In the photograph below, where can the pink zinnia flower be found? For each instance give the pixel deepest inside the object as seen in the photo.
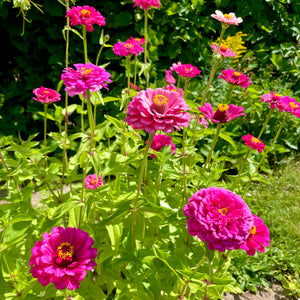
(258, 239)
(275, 100)
(223, 114)
(219, 217)
(145, 4)
(169, 78)
(158, 109)
(85, 15)
(173, 88)
(84, 77)
(224, 51)
(127, 48)
(63, 257)
(92, 181)
(186, 70)
(291, 105)
(160, 141)
(236, 78)
(202, 121)
(253, 142)
(134, 86)
(229, 19)
(140, 41)
(45, 95)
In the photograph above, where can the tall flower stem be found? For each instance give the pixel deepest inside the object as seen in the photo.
(145, 45)
(135, 70)
(266, 122)
(45, 123)
(128, 75)
(91, 118)
(229, 91)
(210, 255)
(209, 156)
(140, 180)
(267, 151)
(84, 44)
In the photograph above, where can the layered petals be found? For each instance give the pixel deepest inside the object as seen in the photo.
(146, 4)
(93, 181)
(185, 70)
(253, 142)
(229, 19)
(160, 141)
(236, 78)
(45, 95)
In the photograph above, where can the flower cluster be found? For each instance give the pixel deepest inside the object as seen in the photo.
(229, 19)
(223, 51)
(236, 78)
(93, 181)
(63, 257)
(253, 142)
(160, 141)
(185, 70)
(85, 15)
(131, 46)
(45, 95)
(158, 109)
(85, 77)
(145, 4)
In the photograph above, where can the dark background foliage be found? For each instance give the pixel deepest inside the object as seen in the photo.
(178, 31)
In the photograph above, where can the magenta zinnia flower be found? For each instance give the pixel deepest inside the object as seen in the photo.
(85, 77)
(92, 181)
(236, 78)
(253, 142)
(158, 109)
(173, 88)
(223, 114)
(186, 70)
(291, 105)
(224, 51)
(85, 15)
(45, 95)
(140, 41)
(134, 86)
(219, 217)
(127, 48)
(160, 141)
(169, 78)
(229, 19)
(63, 257)
(258, 239)
(275, 100)
(145, 4)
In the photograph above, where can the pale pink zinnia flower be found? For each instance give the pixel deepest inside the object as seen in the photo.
(173, 88)
(253, 142)
(145, 4)
(93, 181)
(127, 48)
(85, 77)
(223, 114)
(160, 141)
(223, 51)
(236, 78)
(63, 257)
(158, 109)
(258, 239)
(229, 19)
(169, 78)
(45, 95)
(185, 70)
(291, 105)
(275, 100)
(219, 217)
(85, 15)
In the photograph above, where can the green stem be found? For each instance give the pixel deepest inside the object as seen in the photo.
(145, 46)
(45, 124)
(210, 272)
(231, 86)
(98, 55)
(84, 44)
(146, 150)
(128, 74)
(135, 70)
(90, 117)
(266, 122)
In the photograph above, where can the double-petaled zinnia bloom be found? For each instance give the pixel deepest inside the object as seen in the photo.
(160, 141)
(173, 88)
(275, 100)
(169, 78)
(85, 77)
(85, 15)
(259, 237)
(185, 70)
(93, 181)
(229, 19)
(145, 4)
(158, 109)
(223, 51)
(291, 105)
(235, 78)
(129, 47)
(45, 95)
(63, 257)
(223, 114)
(219, 217)
(253, 142)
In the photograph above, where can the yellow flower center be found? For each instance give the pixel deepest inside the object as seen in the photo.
(223, 211)
(223, 107)
(160, 100)
(277, 95)
(128, 46)
(65, 250)
(85, 71)
(236, 74)
(85, 13)
(93, 181)
(46, 92)
(253, 230)
(293, 105)
(223, 48)
(227, 16)
(256, 140)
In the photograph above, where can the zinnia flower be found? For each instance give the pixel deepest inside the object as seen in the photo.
(84, 77)
(202, 121)
(160, 141)
(173, 88)
(169, 78)
(127, 48)
(258, 239)
(134, 86)
(291, 105)
(253, 142)
(45, 95)
(223, 51)
(223, 114)
(275, 100)
(158, 109)
(219, 217)
(92, 181)
(229, 19)
(236, 78)
(85, 15)
(140, 41)
(63, 257)
(145, 4)
(186, 70)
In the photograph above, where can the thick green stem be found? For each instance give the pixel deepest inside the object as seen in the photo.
(84, 44)
(145, 45)
(265, 124)
(128, 74)
(45, 124)
(91, 118)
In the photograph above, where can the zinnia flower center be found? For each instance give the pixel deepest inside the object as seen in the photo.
(223, 48)
(253, 230)
(84, 71)
(223, 107)
(93, 181)
(46, 92)
(85, 13)
(256, 140)
(236, 74)
(63, 255)
(293, 105)
(160, 104)
(223, 211)
(227, 16)
(128, 46)
(277, 95)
